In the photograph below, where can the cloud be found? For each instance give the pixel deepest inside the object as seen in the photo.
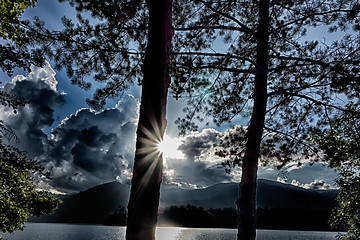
(282, 180)
(306, 172)
(199, 167)
(39, 88)
(317, 185)
(196, 144)
(85, 149)
(45, 74)
(90, 148)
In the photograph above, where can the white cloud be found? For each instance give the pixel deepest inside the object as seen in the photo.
(45, 74)
(282, 180)
(317, 184)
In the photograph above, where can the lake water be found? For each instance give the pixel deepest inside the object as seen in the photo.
(50, 231)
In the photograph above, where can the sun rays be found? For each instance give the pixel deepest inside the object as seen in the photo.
(156, 144)
(152, 150)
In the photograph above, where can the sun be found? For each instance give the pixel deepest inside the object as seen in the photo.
(162, 147)
(169, 148)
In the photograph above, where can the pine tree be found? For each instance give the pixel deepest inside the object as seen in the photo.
(148, 163)
(270, 72)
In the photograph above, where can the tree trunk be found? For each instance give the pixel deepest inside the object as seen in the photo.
(246, 204)
(147, 172)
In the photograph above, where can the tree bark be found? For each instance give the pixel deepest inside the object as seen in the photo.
(246, 204)
(147, 172)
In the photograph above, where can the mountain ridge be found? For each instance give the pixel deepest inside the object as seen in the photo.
(98, 203)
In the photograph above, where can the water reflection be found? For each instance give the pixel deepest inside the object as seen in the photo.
(51, 231)
(170, 233)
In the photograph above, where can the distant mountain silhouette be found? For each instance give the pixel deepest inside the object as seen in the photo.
(279, 195)
(270, 194)
(98, 203)
(90, 206)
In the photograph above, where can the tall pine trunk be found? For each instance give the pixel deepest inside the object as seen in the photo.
(246, 204)
(147, 173)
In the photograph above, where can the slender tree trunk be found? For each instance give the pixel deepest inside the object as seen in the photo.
(246, 204)
(147, 173)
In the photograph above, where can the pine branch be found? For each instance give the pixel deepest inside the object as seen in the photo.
(299, 59)
(295, 139)
(224, 69)
(307, 16)
(317, 102)
(230, 28)
(289, 91)
(225, 55)
(244, 27)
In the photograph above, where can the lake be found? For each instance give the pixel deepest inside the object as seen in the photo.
(53, 231)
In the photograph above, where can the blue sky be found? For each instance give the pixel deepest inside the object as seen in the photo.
(83, 148)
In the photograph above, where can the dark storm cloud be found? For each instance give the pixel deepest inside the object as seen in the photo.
(90, 143)
(86, 149)
(196, 144)
(39, 88)
(90, 148)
